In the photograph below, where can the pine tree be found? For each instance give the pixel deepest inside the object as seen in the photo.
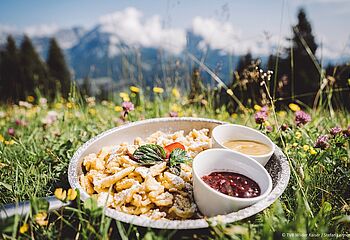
(58, 69)
(305, 74)
(33, 70)
(11, 86)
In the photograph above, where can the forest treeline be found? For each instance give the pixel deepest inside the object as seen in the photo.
(298, 75)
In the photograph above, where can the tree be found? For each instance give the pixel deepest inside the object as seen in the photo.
(305, 74)
(33, 70)
(58, 69)
(11, 86)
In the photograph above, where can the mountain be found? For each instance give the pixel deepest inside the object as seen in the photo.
(97, 53)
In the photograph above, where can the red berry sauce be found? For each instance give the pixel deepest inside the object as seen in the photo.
(232, 184)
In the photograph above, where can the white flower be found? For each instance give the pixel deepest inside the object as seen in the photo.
(50, 118)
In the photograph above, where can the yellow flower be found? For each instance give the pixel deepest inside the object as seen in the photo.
(124, 96)
(294, 107)
(306, 147)
(24, 228)
(70, 105)
(257, 107)
(282, 114)
(158, 90)
(118, 108)
(312, 151)
(298, 135)
(234, 115)
(267, 123)
(30, 99)
(295, 144)
(2, 139)
(229, 92)
(11, 142)
(134, 89)
(58, 105)
(175, 93)
(72, 194)
(175, 108)
(40, 218)
(60, 194)
(92, 111)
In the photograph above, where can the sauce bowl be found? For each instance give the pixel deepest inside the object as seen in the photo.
(212, 202)
(229, 132)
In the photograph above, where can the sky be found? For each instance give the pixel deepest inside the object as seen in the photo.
(246, 20)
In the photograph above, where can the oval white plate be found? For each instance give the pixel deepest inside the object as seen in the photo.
(277, 167)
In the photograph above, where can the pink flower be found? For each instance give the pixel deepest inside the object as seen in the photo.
(128, 106)
(334, 131)
(11, 131)
(269, 128)
(20, 122)
(260, 117)
(173, 114)
(302, 118)
(322, 142)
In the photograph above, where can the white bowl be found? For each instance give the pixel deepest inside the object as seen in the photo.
(227, 132)
(212, 202)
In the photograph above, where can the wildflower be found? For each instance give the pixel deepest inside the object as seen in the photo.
(294, 107)
(50, 118)
(124, 96)
(267, 123)
(234, 115)
(11, 131)
(265, 109)
(92, 111)
(173, 114)
(20, 122)
(128, 106)
(11, 142)
(91, 101)
(43, 101)
(302, 118)
(175, 92)
(257, 107)
(2, 114)
(312, 151)
(2, 139)
(158, 90)
(175, 108)
(306, 147)
(60, 194)
(70, 105)
(282, 114)
(260, 117)
(134, 89)
(25, 104)
(30, 99)
(104, 103)
(346, 132)
(335, 130)
(269, 128)
(72, 194)
(284, 127)
(295, 144)
(298, 135)
(118, 108)
(41, 218)
(322, 142)
(58, 105)
(24, 228)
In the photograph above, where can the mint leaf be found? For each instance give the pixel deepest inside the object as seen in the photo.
(149, 154)
(177, 156)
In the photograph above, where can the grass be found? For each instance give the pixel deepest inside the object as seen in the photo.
(35, 156)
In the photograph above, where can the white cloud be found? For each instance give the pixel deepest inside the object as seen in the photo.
(223, 36)
(215, 34)
(130, 27)
(42, 30)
